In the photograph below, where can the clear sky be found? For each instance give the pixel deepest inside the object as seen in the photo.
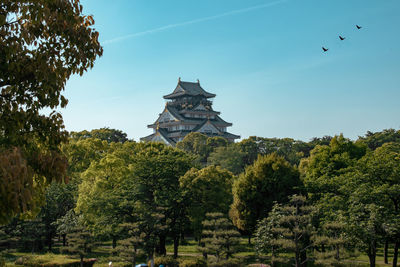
(262, 58)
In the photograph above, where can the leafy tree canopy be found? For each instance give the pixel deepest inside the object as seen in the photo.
(206, 190)
(201, 145)
(323, 169)
(106, 134)
(42, 44)
(228, 157)
(271, 178)
(292, 150)
(377, 139)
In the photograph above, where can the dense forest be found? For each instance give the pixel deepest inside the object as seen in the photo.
(320, 201)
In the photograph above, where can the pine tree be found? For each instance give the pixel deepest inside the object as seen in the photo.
(265, 235)
(331, 242)
(294, 229)
(128, 248)
(80, 242)
(220, 239)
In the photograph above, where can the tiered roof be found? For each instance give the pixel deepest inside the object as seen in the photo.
(188, 89)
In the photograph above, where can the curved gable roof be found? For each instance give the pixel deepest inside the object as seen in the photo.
(190, 89)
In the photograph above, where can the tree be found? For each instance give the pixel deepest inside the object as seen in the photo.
(80, 153)
(331, 241)
(155, 174)
(59, 200)
(324, 174)
(294, 228)
(80, 242)
(195, 143)
(106, 134)
(151, 225)
(377, 139)
(376, 186)
(219, 239)
(128, 247)
(271, 178)
(265, 234)
(215, 142)
(366, 226)
(228, 157)
(206, 190)
(66, 224)
(292, 150)
(100, 195)
(42, 44)
(30, 234)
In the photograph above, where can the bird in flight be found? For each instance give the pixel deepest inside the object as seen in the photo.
(358, 27)
(341, 38)
(325, 49)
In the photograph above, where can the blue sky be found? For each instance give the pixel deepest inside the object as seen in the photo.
(262, 58)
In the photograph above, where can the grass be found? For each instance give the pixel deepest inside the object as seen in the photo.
(104, 255)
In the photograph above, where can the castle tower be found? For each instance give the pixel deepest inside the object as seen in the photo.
(188, 109)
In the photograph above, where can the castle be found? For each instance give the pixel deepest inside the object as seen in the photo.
(188, 109)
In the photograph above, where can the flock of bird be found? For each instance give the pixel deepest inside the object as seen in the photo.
(341, 39)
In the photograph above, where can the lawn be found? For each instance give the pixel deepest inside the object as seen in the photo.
(104, 254)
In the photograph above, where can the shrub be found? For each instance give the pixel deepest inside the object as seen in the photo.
(166, 261)
(197, 262)
(46, 260)
(226, 263)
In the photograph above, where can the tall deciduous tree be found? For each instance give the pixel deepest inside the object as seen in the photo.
(59, 200)
(100, 194)
(106, 134)
(195, 143)
(292, 150)
(271, 178)
(228, 157)
(155, 173)
(376, 184)
(324, 174)
(377, 139)
(206, 190)
(42, 44)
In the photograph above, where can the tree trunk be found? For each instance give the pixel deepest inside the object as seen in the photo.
(134, 256)
(49, 241)
(161, 250)
(303, 258)
(337, 256)
(81, 261)
(64, 238)
(395, 253)
(176, 245)
(249, 239)
(114, 242)
(297, 259)
(372, 254)
(273, 256)
(183, 238)
(151, 260)
(385, 252)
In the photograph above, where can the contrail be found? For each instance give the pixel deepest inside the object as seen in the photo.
(166, 27)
